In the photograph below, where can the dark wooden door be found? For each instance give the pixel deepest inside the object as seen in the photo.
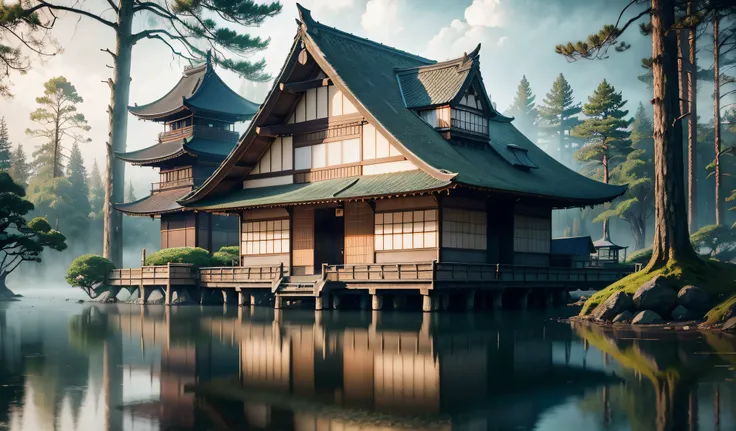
(329, 238)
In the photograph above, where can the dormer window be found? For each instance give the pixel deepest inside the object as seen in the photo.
(522, 157)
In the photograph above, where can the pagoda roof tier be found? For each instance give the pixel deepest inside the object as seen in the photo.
(373, 78)
(335, 190)
(155, 204)
(203, 149)
(201, 91)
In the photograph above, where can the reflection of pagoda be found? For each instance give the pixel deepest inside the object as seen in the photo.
(199, 115)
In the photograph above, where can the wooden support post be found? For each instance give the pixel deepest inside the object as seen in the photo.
(430, 303)
(242, 298)
(318, 304)
(470, 300)
(498, 300)
(335, 302)
(145, 293)
(143, 257)
(202, 296)
(376, 301)
(167, 293)
(278, 302)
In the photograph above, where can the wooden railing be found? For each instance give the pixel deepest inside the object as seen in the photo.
(154, 275)
(468, 272)
(237, 274)
(213, 133)
(165, 185)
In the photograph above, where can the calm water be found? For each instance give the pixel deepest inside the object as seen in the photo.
(68, 366)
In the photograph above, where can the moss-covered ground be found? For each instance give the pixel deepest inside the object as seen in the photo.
(717, 278)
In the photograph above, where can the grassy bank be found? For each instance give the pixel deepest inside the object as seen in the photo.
(717, 278)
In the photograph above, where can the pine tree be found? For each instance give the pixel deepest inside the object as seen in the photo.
(5, 147)
(559, 114)
(58, 120)
(77, 176)
(524, 110)
(605, 131)
(96, 190)
(20, 170)
(130, 195)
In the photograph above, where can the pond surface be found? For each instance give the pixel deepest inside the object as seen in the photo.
(67, 366)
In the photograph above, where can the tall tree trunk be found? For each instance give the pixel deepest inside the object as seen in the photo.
(671, 242)
(55, 169)
(118, 110)
(606, 232)
(5, 293)
(692, 126)
(717, 118)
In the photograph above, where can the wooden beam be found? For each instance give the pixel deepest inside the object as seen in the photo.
(307, 126)
(298, 87)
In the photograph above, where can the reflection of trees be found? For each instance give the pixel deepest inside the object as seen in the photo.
(12, 389)
(670, 366)
(89, 330)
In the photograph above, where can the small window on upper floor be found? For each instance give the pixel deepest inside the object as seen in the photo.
(522, 157)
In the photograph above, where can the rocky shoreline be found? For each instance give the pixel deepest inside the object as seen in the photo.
(659, 304)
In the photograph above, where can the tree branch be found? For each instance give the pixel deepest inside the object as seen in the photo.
(42, 4)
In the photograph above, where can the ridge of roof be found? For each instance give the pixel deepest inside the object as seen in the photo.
(465, 62)
(308, 22)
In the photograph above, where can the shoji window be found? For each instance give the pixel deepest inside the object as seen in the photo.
(328, 154)
(375, 145)
(532, 234)
(406, 230)
(265, 237)
(464, 229)
(276, 158)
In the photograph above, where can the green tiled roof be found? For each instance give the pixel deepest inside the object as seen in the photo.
(202, 148)
(437, 84)
(157, 203)
(199, 89)
(329, 190)
(365, 66)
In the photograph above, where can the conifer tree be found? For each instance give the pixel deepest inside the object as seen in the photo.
(524, 110)
(20, 170)
(77, 176)
(605, 131)
(58, 120)
(5, 148)
(96, 190)
(637, 172)
(559, 114)
(130, 196)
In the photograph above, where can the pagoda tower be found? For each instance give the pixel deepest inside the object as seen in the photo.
(199, 116)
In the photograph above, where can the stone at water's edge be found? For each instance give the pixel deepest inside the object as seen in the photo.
(682, 314)
(657, 294)
(647, 317)
(730, 324)
(106, 298)
(613, 306)
(624, 317)
(693, 298)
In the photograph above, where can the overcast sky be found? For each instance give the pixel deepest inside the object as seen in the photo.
(517, 36)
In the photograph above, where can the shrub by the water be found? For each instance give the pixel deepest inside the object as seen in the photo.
(88, 270)
(226, 256)
(194, 255)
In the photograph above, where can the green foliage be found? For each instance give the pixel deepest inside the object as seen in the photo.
(226, 256)
(96, 190)
(524, 110)
(596, 44)
(605, 129)
(640, 256)
(54, 199)
(20, 170)
(196, 256)
(88, 271)
(79, 194)
(130, 193)
(5, 149)
(558, 114)
(718, 241)
(58, 119)
(22, 241)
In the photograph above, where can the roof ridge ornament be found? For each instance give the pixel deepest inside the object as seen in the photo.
(305, 15)
(468, 58)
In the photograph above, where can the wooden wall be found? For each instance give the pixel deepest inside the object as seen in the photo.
(303, 241)
(178, 230)
(408, 255)
(532, 235)
(358, 233)
(273, 258)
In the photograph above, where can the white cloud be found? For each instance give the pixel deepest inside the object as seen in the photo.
(381, 18)
(502, 40)
(330, 5)
(486, 13)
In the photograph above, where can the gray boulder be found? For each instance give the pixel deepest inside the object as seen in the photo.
(647, 317)
(613, 306)
(730, 324)
(624, 317)
(657, 294)
(693, 298)
(681, 314)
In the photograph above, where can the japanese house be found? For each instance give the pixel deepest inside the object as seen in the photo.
(362, 153)
(199, 115)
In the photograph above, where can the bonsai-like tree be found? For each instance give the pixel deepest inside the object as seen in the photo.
(21, 241)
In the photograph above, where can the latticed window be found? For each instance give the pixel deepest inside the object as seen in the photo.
(464, 229)
(532, 234)
(265, 237)
(406, 230)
